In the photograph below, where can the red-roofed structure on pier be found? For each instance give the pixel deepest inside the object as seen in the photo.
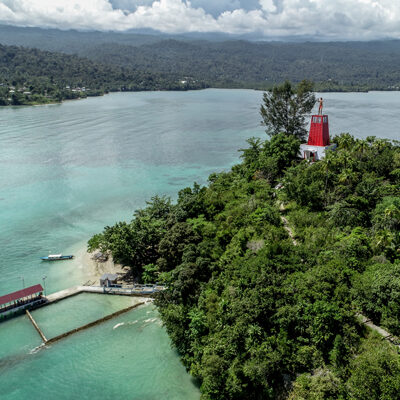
(21, 300)
(318, 139)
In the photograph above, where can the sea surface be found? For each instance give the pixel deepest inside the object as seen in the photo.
(68, 170)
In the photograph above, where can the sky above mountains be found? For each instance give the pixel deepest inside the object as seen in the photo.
(270, 19)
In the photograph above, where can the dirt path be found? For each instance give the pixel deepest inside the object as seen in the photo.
(366, 321)
(286, 224)
(385, 334)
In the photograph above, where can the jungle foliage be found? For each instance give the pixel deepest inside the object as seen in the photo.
(254, 316)
(31, 76)
(285, 108)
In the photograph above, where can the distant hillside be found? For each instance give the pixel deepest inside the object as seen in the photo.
(259, 64)
(71, 41)
(31, 76)
(229, 63)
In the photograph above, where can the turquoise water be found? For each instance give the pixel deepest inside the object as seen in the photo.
(18, 337)
(68, 170)
(125, 358)
(52, 319)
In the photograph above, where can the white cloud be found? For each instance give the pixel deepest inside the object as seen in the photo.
(268, 5)
(329, 19)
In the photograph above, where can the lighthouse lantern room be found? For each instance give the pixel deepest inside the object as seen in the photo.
(318, 139)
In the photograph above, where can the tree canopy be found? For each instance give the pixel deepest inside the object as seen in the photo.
(31, 76)
(333, 66)
(254, 316)
(285, 107)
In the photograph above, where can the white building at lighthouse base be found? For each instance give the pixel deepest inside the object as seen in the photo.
(314, 153)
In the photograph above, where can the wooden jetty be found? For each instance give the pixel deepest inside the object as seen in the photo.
(135, 290)
(16, 303)
(34, 303)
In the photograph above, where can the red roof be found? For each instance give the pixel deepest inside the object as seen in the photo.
(8, 298)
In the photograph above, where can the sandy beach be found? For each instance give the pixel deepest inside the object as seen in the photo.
(91, 270)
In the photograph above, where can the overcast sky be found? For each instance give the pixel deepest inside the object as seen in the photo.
(319, 19)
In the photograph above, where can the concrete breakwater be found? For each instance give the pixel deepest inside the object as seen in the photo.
(91, 324)
(36, 326)
(137, 290)
(81, 328)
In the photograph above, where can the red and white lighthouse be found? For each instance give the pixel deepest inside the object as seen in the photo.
(318, 139)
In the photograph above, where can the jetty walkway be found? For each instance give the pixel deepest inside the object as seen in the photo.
(43, 301)
(135, 290)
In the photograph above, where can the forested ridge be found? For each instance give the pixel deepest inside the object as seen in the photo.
(32, 76)
(231, 63)
(332, 66)
(255, 316)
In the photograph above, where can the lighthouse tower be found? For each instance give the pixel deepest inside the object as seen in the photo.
(318, 139)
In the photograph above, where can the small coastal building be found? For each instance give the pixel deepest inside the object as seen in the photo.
(318, 139)
(109, 280)
(21, 300)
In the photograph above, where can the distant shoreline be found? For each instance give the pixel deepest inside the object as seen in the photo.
(190, 90)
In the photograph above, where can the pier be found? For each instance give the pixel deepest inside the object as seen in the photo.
(37, 300)
(16, 303)
(135, 290)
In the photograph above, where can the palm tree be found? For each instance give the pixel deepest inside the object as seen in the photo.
(360, 148)
(346, 176)
(383, 239)
(392, 216)
(327, 164)
(345, 141)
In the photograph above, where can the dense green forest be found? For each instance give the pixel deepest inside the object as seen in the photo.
(68, 41)
(228, 63)
(332, 66)
(31, 76)
(256, 315)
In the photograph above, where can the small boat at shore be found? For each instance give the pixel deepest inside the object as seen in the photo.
(56, 257)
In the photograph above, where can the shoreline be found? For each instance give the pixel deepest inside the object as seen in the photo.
(37, 104)
(92, 270)
(189, 90)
